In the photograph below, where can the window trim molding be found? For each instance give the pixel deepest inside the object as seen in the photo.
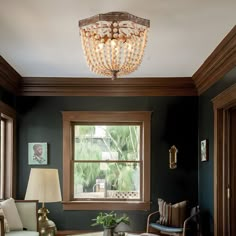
(100, 116)
(10, 160)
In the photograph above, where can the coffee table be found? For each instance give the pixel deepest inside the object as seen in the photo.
(100, 233)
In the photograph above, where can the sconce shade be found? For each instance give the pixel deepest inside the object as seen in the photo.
(43, 185)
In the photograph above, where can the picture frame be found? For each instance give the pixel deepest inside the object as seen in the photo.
(37, 153)
(204, 150)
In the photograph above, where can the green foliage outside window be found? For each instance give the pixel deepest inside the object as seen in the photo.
(121, 140)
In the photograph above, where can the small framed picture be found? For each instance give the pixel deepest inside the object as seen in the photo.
(204, 150)
(37, 154)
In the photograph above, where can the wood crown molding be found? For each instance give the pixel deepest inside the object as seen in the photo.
(225, 98)
(57, 86)
(221, 61)
(7, 110)
(9, 78)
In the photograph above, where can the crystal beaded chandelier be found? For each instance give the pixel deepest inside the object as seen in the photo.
(114, 42)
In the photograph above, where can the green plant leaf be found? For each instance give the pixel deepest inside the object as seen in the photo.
(108, 220)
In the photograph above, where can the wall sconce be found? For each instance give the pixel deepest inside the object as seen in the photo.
(173, 157)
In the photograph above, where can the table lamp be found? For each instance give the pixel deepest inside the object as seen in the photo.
(44, 186)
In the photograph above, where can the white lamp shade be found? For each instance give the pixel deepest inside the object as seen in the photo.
(43, 185)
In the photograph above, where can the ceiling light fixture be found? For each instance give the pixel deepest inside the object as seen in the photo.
(114, 42)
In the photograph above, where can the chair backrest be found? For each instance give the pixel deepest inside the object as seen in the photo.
(194, 210)
(195, 217)
(28, 211)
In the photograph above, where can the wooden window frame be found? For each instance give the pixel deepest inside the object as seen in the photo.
(69, 117)
(9, 115)
(3, 155)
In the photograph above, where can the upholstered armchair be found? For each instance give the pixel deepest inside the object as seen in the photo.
(173, 220)
(23, 222)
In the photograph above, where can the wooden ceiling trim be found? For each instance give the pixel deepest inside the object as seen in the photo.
(221, 61)
(226, 97)
(9, 78)
(54, 86)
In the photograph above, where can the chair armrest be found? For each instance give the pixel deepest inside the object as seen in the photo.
(28, 211)
(149, 218)
(188, 219)
(2, 233)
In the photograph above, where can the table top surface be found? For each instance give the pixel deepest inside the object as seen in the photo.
(88, 234)
(100, 233)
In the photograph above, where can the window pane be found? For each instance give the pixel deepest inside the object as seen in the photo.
(107, 142)
(109, 180)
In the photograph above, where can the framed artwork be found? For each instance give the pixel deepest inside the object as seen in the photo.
(204, 150)
(37, 154)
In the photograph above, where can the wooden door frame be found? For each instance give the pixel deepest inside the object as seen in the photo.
(222, 103)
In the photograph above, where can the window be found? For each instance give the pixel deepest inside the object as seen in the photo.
(106, 160)
(7, 116)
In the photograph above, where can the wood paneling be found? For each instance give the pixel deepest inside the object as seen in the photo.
(221, 61)
(9, 78)
(38, 86)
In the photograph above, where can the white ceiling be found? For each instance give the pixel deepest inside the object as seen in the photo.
(41, 37)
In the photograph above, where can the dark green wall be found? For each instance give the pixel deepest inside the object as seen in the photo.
(174, 122)
(206, 131)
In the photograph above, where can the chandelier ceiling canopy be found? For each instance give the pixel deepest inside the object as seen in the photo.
(114, 42)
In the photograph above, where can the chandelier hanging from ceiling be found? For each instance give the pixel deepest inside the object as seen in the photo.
(114, 42)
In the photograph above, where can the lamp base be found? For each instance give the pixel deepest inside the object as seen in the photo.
(46, 226)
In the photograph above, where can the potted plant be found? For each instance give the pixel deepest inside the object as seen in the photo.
(109, 221)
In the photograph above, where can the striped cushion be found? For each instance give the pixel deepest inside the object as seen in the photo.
(172, 215)
(164, 209)
(178, 214)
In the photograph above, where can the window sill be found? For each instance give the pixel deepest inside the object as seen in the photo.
(98, 205)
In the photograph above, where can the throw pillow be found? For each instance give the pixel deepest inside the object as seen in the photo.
(12, 215)
(165, 212)
(172, 215)
(178, 214)
(6, 226)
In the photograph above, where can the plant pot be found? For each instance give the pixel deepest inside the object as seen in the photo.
(108, 231)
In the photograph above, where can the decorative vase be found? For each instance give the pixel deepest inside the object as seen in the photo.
(108, 231)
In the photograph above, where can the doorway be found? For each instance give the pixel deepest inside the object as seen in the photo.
(225, 162)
